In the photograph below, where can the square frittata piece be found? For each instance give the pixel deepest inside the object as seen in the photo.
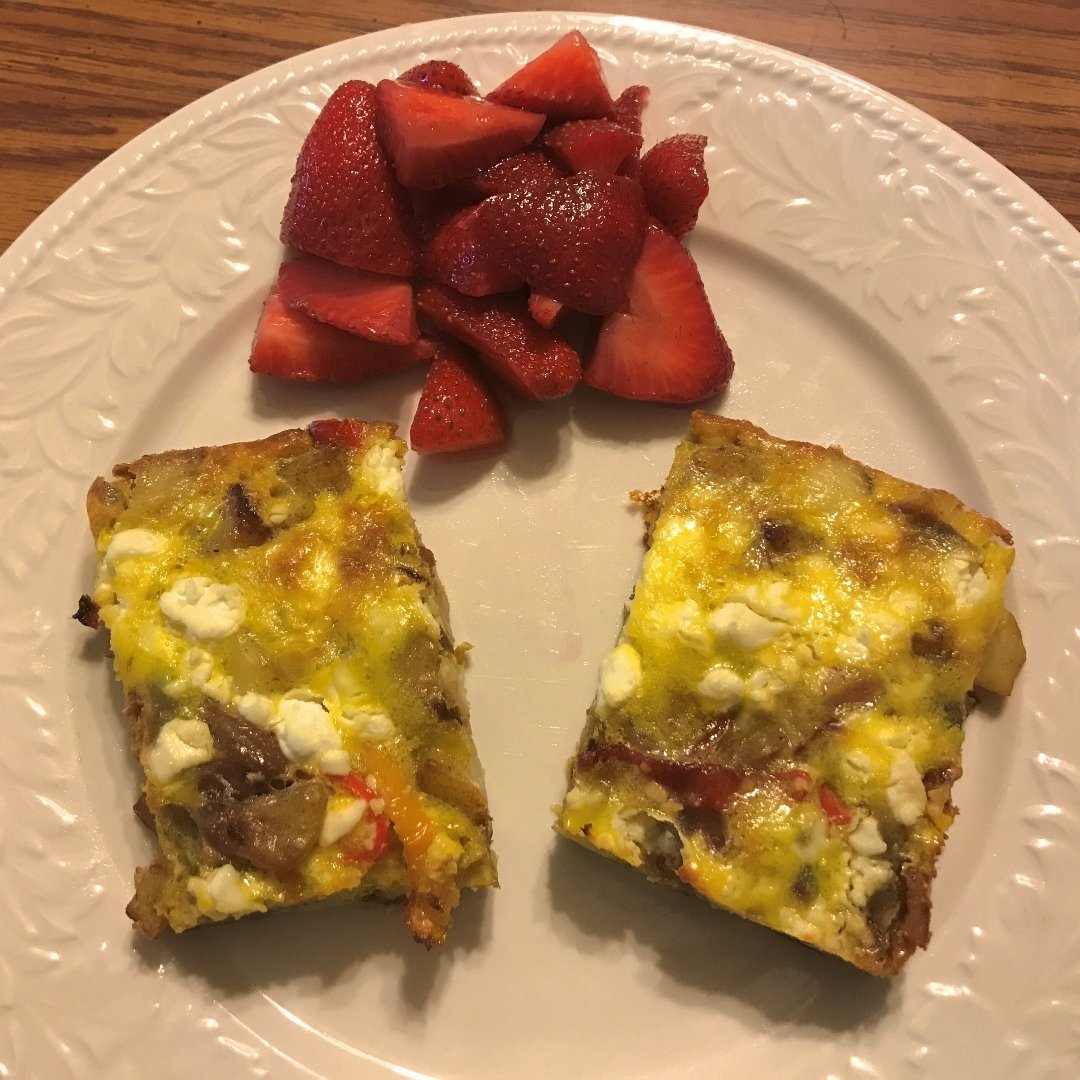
(779, 725)
(295, 696)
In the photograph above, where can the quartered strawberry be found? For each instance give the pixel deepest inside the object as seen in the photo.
(530, 360)
(629, 106)
(544, 310)
(439, 75)
(456, 410)
(575, 239)
(345, 204)
(565, 82)
(668, 347)
(514, 173)
(434, 138)
(673, 177)
(601, 146)
(373, 306)
(460, 255)
(291, 345)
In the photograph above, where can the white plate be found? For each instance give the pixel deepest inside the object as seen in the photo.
(884, 285)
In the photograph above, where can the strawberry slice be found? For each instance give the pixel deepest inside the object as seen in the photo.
(514, 173)
(456, 410)
(601, 146)
(291, 345)
(575, 239)
(345, 204)
(668, 348)
(673, 178)
(544, 310)
(629, 106)
(530, 360)
(439, 75)
(373, 306)
(565, 82)
(346, 432)
(460, 255)
(434, 138)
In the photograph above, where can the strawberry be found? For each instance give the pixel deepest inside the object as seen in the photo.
(456, 410)
(575, 239)
(544, 310)
(565, 82)
(673, 178)
(532, 361)
(345, 204)
(373, 306)
(291, 345)
(459, 254)
(440, 75)
(629, 106)
(514, 173)
(600, 146)
(668, 347)
(434, 138)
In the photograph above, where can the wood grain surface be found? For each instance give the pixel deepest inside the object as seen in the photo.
(79, 79)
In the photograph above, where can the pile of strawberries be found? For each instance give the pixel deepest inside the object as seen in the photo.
(504, 240)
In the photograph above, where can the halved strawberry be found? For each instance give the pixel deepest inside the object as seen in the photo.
(514, 173)
(668, 348)
(575, 239)
(439, 75)
(434, 138)
(629, 106)
(544, 310)
(291, 345)
(373, 306)
(673, 177)
(345, 204)
(600, 146)
(532, 361)
(459, 255)
(456, 410)
(565, 82)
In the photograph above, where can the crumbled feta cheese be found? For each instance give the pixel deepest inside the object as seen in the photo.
(743, 627)
(773, 601)
(620, 674)
(256, 709)
(853, 649)
(905, 794)
(684, 622)
(223, 891)
(791, 922)
(179, 745)
(129, 543)
(867, 877)
(382, 470)
(968, 581)
(277, 511)
(205, 609)
(213, 684)
(722, 687)
(578, 798)
(376, 726)
(341, 819)
(442, 855)
(865, 838)
(762, 686)
(304, 730)
(335, 762)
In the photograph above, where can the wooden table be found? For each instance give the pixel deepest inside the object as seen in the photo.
(79, 78)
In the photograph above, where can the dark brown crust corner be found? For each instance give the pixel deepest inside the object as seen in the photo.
(141, 910)
(911, 927)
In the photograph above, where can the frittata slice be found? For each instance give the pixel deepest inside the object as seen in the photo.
(780, 722)
(295, 697)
